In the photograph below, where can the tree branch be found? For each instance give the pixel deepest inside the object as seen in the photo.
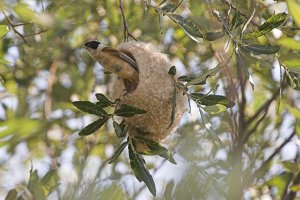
(51, 79)
(243, 14)
(258, 172)
(291, 195)
(125, 25)
(264, 107)
(14, 29)
(13, 26)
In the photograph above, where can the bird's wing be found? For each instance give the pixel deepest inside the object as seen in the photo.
(126, 56)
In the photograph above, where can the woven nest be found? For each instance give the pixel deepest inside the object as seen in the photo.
(154, 94)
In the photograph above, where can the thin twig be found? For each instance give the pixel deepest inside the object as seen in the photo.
(51, 79)
(243, 14)
(264, 107)
(14, 29)
(249, 133)
(292, 195)
(33, 34)
(258, 172)
(125, 25)
(23, 37)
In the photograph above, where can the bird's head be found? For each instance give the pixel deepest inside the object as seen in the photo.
(93, 47)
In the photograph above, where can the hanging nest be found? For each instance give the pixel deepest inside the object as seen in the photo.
(154, 94)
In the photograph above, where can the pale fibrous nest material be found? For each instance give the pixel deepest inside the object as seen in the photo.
(154, 94)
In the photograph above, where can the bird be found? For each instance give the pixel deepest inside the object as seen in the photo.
(120, 62)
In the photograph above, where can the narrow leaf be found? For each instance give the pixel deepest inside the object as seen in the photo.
(289, 43)
(48, 176)
(204, 76)
(140, 171)
(209, 128)
(128, 111)
(291, 166)
(120, 129)
(251, 60)
(93, 127)
(118, 152)
(209, 100)
(292, 80)
(103, 101)
(236, 20)
(172, 71)
(244, 69)
(168, 8)
(214, 109)
(3, 30)
(261, 49)
(214, 35)
(188, 26)
(89, 107)
(294, 9)
(11, 195)
(273, 22)
(155, 148)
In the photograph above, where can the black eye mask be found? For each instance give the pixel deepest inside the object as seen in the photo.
(92, 44)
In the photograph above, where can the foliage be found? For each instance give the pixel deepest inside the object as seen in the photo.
(219, 49)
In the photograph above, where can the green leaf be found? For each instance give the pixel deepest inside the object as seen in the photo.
(174, 99)
(118, 152)
(292, 80)
(188, 78)
(214, 35)
(289, 43)
(244, 69)
(19, 127)
(294, 10)
(261, 49)
(202, 78)
(280, 182)
(210, 100)
(209, 127)
(48, 176)
(236, 20)
(25, 12)
(3, 30)
(291, 60)
(155, 148)
(89, 107)
(4, 62)
(214, 109)
(295, 188)
(120, 129)
(128, 111)
(172, 71)
(273, 22)
(188, 26)
(11, 195)
(251, 60)
(35, 186)
(291, 166)
(103, 101)
(140, 171)
(168, 8)
(94, 126)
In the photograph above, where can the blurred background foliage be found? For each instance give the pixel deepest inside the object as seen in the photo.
(43, 69)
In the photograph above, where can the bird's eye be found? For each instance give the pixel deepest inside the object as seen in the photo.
(92, 44)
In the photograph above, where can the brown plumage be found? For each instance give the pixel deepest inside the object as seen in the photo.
(142, 71)
(154, 94)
